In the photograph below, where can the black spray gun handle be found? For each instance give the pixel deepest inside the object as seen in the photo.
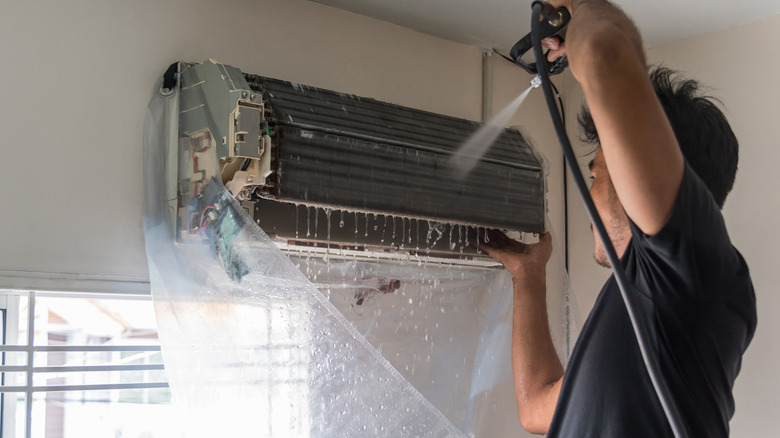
(555, 20)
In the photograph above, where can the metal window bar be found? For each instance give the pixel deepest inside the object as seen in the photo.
(3, 319)
(10, 319)
(30, 356)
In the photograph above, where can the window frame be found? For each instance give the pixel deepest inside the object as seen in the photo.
(9, 327)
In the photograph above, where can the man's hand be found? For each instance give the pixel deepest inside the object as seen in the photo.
(520, 259)
(568, 4)
(556, 46)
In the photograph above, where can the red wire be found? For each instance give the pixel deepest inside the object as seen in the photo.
(202, 215)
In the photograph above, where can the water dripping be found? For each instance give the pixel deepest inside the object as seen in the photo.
(440, 233)
(384, 229)
(392, 240)
(316, 220)
(417, 234)
(327, 247)
(403, 231)
(308, 221)
(296, 221)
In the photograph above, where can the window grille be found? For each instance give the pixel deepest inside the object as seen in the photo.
(77, 364)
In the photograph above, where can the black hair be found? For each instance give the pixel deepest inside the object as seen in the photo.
(702, 131)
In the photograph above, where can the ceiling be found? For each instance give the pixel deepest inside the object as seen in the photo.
(499, 24)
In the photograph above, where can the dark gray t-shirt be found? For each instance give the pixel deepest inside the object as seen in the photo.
(694, 287)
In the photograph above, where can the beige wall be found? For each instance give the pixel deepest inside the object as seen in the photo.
(740, 67)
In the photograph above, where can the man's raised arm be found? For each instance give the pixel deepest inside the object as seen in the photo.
(642, 155)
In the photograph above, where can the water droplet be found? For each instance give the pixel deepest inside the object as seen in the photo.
(308, 221)
(316, 221)
(392, 239)
(296, 221)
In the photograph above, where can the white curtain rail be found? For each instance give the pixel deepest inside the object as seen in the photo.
(67, 388)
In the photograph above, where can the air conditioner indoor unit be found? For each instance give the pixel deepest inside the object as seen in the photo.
(320, 170)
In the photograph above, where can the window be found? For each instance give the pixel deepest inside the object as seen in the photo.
(81, 365)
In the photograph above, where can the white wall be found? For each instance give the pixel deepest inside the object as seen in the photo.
(740, 67)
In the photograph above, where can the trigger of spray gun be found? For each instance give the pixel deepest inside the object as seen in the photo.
(536, 81)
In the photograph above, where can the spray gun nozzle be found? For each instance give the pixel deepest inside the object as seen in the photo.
(536, 81)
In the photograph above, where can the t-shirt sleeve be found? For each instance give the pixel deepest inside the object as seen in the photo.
(692, 255)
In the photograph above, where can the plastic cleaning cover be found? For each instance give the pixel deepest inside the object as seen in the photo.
(315, 347)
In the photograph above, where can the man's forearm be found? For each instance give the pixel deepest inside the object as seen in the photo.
(537, 369)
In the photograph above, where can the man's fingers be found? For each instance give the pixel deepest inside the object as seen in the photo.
(552, 43)
(555, 54)
(494, 253)
(497, 237)
(556, 46)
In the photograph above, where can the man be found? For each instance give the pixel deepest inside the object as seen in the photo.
(660, 206)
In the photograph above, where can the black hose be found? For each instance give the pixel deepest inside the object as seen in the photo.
(640, 326)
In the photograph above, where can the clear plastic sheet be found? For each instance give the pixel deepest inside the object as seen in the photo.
(446, 329)
(258, 343)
